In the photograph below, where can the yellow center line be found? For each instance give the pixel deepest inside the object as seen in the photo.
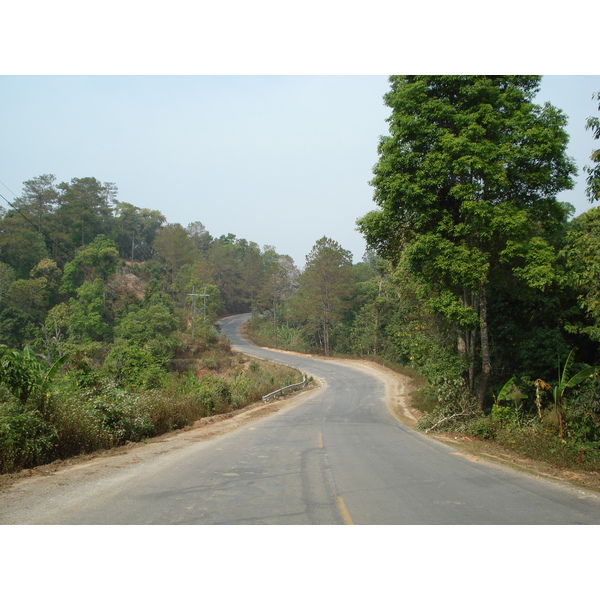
(344, 511)
(320, 443)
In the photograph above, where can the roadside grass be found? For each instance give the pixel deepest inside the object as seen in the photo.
(82, 420)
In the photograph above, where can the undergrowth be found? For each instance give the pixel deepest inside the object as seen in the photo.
(82, 415)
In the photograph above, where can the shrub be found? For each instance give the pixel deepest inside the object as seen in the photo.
(80, 428)
(123, 414)
(22, 373)
(452, 405)
(482, 427)
(135, 367)
(583, 414)
(26, 439)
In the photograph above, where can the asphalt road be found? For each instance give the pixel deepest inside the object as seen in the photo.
(337, 456)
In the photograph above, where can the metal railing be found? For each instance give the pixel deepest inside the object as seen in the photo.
(286, 388)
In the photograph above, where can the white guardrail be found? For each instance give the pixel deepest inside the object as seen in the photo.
(286, 388)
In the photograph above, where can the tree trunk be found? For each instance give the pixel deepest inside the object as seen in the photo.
(375, 335)
(486, 365)
(466, 340)
(275, 323)
(326, 336)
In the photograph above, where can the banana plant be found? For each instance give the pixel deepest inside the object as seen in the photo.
(566, 381)
(23, 373)
(504, 391)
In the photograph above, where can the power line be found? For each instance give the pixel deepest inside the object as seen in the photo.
(8, 189)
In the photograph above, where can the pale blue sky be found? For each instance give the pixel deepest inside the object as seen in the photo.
(279, 160)
(281, 155)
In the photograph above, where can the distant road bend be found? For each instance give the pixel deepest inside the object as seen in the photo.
(331, 456)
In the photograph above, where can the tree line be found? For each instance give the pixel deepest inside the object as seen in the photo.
(67, 251)
(477, 276)
(106, 314)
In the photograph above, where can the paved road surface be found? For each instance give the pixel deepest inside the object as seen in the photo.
(336, 457)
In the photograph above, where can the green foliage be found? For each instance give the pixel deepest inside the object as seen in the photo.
(582, 268)
(582, 414)
(135, 367)
(452, 405)
(136, 229)
(26, 439)
(466, 186)
(566, 380)
(97, 260)
(151, 327)
(83, 210)
(593, 179)
(323, 290)
(539, 442)
(174, 248)
(87, 315)
(25, 375)
(123, 415)
(21, 246)
(7, 277)
(482, 427)
(79, 426)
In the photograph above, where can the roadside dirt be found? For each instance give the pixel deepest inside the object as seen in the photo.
(398, 398)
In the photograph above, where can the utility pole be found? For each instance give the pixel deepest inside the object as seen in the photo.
(194, 296)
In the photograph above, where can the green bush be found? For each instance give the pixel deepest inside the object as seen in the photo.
(123, 414)
(135, 367)
(22, 373)
(168, 411)
(80, 428)
(451, 404)
(26, 440)
(505, 416)
(214, 395)
(583, 414)
(483, 428)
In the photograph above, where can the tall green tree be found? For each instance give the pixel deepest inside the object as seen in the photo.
(97, 260)
(593, 179)
(7, 276)
(174, 248)
(84, 210)
(200, 236)
(226, 261)
(279, 283)
(22, 246)
(324, 287)
(135, 230)
(466, 185)
(38, 200)
(582, 268)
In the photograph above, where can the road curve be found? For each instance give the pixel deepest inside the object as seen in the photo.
(383, 472)
(334, 456)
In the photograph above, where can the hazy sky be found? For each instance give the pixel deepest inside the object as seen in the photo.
(278, 160)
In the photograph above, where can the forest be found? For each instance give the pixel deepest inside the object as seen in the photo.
(106, 322)
(477, 282)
